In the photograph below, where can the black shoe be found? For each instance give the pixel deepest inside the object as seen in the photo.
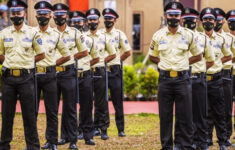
(104, 135)
(47, 145)
(228, 143)
(62, 142)
(73, 146)
(96, 132)
(223, 147)
(209, 142)
(121, 134)
(53, 147)
(89, 142)
(80, 136)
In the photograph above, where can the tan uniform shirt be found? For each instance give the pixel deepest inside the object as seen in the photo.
(92, 48)
(228, 42)
(19, 47)
(220, 50)
(104, 46)
(51, 42)
(203, 42)
(74, 41)
(173, 50)
(120, 42)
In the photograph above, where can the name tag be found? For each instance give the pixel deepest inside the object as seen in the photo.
(68, 40)
(88, 44)
(8, 40)
(217, 45)
(27, 40)
(162, 42)
(202, 45)
(51, 41)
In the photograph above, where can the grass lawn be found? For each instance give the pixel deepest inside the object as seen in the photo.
(142, 134)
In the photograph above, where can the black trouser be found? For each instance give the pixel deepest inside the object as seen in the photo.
(116, 95)
(216, 108)
(101, 118)
(66, 85)
(24, 87)
(47, 84)
(228, 97)
(86, 105)
(199, 100)
(179, 91)
(233, 95)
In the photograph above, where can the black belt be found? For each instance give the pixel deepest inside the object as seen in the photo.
(64, 68)
(227, 72)
(98, 69)
(113, 67)
(173, 74)
(211, 77)
(84, 74)
(18, 72)
(198, 75)
(45, 69)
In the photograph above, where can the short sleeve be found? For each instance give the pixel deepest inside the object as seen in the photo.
(80, 41)
(38, 44)
(64, 51)
(125, 46)
(2, 49)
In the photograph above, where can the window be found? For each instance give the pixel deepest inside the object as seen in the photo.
(137, 31)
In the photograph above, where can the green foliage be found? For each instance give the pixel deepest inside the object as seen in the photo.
(139, 58)
(135, 83)
(130, 79)
(149, 83)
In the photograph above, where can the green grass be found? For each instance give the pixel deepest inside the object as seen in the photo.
(142, 134)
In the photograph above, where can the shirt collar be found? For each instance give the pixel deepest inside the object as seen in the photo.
(48, 30)
(212, 36)
(96, 34)
(179, 30)
(67, 29)
(22, 29)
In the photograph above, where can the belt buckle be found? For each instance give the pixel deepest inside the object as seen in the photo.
(16, 73)
(234, 72)
(173, 74)
(41, 70)
(59, 69)
(108, 68)
(209, 78)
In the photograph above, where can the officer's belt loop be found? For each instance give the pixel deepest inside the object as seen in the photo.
(80, 74)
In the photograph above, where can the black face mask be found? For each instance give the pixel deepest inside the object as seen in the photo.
(231, 25)
(173, 22)
(1, 13)
(108, 24)
(60, 21)
(208, 26)
(92, 26)
(190, 24)
(17, 20)
(218, 27)
(43, 21)
(79, 27)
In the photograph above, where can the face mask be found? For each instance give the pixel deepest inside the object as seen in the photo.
(43, 21)
(92, 26)
(190, 24)
(218, 27)
(79, 27)
(208, 26)
(231, 25)
(17, 20)
(173, 22)
(108, 24)
(1, 13)
(60, 21)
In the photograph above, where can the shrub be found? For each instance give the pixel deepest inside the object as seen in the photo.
(149, 83)
(131, 80)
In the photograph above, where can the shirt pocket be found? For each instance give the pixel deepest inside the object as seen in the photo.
(8, 47)
(163, 49)
(27, 48)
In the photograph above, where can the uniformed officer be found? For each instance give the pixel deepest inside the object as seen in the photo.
(106, 54)
(227, 79)
(230, 17)
(170, 49)
(85, 127)
(121, 43)
(18, 45)
(47, 81)
(216, 103)
(199, 89)
(66, 78)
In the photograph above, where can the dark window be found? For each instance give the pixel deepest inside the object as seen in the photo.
(136, 33)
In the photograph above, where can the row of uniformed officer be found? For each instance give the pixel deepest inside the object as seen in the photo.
(207, 95)
(18, 45)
